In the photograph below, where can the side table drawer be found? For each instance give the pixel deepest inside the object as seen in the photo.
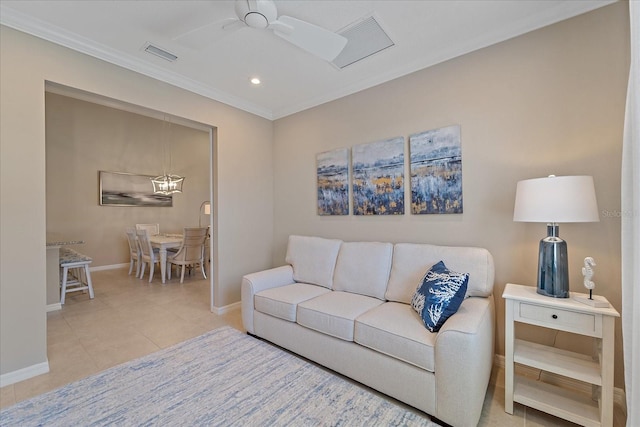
(581, 323)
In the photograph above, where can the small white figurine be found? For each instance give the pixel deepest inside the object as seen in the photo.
(587, 272)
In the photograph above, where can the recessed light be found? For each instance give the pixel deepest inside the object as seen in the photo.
(255, 81)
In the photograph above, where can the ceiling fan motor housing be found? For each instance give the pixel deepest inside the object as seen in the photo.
(256, 13)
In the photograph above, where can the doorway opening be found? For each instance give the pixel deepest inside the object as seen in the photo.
(87, 133)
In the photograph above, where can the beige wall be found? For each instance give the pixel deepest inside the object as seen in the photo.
(551, 101)
(83, 138)
(243, 193)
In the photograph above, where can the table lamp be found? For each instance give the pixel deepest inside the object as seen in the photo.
(554, 200)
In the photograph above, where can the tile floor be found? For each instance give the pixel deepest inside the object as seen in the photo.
(129, 318)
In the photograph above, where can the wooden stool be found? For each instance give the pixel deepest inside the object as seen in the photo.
(75, 273)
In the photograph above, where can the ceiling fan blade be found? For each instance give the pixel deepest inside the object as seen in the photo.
(203, 36)
(233, 25)
(316, 40)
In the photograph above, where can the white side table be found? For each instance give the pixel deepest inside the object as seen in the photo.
(524, 305)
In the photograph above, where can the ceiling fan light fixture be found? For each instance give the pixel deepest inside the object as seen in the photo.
(256, 13)
(256, 20)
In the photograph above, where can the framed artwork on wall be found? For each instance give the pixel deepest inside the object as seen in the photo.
(333, 182)
(378, 177)
(128, 189)
(436, 171)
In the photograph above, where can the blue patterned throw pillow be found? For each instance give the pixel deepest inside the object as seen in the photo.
(439, 295)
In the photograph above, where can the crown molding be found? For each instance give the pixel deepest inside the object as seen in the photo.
(24, 23)
(517, 28)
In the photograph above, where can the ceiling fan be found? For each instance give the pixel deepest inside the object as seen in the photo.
(263, 14)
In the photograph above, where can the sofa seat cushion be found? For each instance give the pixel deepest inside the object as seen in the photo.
(334, 313)
(282, 302)
(396, 330)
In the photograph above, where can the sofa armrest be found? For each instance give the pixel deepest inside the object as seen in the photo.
(256, 282)
(464, 354)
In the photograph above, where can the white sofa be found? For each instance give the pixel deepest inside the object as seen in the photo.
(347, 306)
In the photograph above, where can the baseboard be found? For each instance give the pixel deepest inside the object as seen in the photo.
(619, 396)
(24, 373)
(109, 267)
(227, 308)
(54, 307)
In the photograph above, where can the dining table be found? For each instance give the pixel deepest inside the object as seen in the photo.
(163, 242)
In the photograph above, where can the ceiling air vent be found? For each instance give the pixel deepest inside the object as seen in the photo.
(155, 50)
(364, 38)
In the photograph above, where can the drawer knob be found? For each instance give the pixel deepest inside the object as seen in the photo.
(555, 316)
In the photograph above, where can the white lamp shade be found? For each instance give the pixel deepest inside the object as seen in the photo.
(556, 199)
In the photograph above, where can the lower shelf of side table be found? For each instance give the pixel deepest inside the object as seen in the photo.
(562, 362)
(575, 407)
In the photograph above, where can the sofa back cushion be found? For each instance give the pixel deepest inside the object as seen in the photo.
(363, 268)
(313, 259)
(411, 262)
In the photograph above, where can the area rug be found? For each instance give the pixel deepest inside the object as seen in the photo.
(222, 378)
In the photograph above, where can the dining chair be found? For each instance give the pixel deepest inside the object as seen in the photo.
(154, 229)
(134, 250)
(191, 252)
(148, 254)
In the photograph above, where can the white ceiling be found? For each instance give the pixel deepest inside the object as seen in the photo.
(424, 32)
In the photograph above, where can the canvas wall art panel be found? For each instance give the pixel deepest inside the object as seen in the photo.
(378, 177)
(436, 171)
(333, 182)
(128, 189)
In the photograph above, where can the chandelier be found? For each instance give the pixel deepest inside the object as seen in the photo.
(166, 183)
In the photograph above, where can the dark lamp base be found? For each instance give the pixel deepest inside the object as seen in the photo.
(553, 272)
